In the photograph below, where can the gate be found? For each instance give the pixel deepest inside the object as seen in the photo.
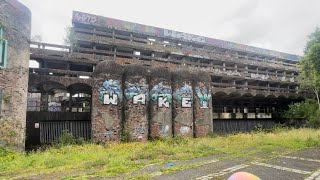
(46, 127)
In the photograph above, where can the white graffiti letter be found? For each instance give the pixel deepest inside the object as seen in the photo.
(108, 100)
(162, 101)
(186, 102)
(139, 98)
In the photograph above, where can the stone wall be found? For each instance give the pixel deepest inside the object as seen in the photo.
(15, 20)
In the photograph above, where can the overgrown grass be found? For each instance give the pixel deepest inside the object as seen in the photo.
(92, 160)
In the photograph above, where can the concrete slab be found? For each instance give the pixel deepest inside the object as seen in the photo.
(193, 173)
(312, 153)
(295, 163)
(267, 173)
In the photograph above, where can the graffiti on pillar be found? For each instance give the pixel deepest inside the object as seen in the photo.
(204, 95)
(164, 129)
(110, 92)
(161, 94)
(184, 130)
(138, 92)
(184, 95)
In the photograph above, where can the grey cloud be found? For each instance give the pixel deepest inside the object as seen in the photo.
(281, 25)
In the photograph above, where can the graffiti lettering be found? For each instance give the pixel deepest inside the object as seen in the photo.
(110, 87)
(137, 92)
(186, 102)
(184, 95)
(184, 36)
(162, 94)
(204, 95)
(163, 102)
(141, 98)
(108, 100)
(85, 18)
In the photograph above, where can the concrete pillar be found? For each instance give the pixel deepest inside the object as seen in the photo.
(202, 104)
(44, 102)
(15, 22)
(107, 97)
(136, 102)
(115, 52)
(182, 103)
(160, 103)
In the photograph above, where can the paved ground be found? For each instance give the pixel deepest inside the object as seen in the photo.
(304, 164)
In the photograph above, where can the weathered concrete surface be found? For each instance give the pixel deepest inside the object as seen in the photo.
(202, 104)
(182, 103)
(303, 164)
(136, 100)
(107, 104)
(15, 19)
(160, 104)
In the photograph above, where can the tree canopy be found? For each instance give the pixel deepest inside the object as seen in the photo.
(309, 65)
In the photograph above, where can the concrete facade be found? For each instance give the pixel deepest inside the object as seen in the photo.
(15, 24)
(137, 81)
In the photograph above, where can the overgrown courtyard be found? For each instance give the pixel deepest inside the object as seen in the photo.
(90, 160)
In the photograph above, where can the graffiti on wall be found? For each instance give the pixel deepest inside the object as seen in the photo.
(85, 18)
(184, 95)
(184, 36)
(260, 76)
(138, 92)
(204, 95)
(110, 92)
(161, 94)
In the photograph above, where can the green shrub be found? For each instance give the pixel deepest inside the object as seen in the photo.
(67, 138)
(307, 110)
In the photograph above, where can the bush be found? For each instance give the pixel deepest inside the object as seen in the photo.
(307, 110)
(67, 138)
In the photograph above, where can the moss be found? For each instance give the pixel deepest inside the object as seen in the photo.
(160, 72)
(136, 70)
(7, 98)
(109, 67)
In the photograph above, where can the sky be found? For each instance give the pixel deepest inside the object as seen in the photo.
(281, 25)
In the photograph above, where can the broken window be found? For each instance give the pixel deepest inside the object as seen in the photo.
(3, 49)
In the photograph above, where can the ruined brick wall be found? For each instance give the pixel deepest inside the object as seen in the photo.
(160, 103)
(202, 104)
(182, 103)
(136, 100)
(107, 102)
(15, 20)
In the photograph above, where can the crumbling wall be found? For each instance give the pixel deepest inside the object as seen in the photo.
(107, 102)
(136, 93)
(202, 104)
(182, 103)
(15, 21)
(160, 103)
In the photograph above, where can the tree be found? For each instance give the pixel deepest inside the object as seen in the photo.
(69, 39)
(314, 38)
(309, 65)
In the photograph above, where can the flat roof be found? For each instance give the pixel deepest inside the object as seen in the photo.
(95, 20)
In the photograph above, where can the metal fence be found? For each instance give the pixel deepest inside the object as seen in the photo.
(51, 131)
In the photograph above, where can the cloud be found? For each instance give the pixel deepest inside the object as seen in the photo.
(281, 25)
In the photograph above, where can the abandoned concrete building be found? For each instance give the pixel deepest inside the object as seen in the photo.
(120, 79)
